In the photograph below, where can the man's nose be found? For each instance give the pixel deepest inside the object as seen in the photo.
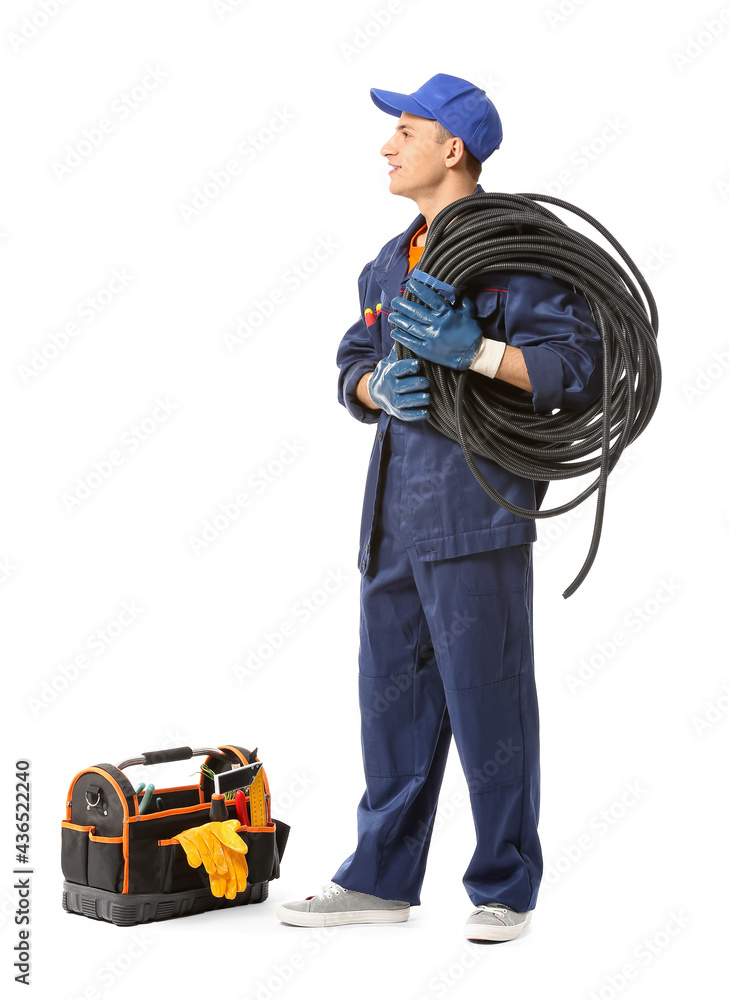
(388, 149)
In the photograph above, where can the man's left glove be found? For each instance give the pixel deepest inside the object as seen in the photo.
(434, 329)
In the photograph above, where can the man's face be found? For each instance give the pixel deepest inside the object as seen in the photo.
(416, 160)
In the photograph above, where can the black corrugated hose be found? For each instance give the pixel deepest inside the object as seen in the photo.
(512, 232)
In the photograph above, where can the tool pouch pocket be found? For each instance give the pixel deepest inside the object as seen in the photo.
(265, 846)
(92, 860)
(176, 875)
(75, 852)
(263, 850)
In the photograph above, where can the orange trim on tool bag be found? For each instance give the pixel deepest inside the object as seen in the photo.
(241, 829)
(74, 826)
(125, 821)
(104, 774)
(170, 812)
(241, 757)
(193, 809)
(106, 840)
(69, 796)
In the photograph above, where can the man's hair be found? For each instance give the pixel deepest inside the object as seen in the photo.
(473, 166)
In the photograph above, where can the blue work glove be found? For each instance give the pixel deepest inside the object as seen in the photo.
(435, 330)
(394, 386)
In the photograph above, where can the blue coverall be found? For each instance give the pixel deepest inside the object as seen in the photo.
(446, 600)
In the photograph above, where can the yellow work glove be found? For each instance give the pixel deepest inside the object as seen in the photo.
(216, 846)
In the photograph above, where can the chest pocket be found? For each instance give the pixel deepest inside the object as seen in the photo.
(380, 325)
(372, 313)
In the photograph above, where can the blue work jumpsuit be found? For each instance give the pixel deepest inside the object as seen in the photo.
(446, 600)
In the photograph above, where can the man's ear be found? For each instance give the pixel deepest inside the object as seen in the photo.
(456, 152)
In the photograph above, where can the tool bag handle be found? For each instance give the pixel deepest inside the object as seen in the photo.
(168, 756)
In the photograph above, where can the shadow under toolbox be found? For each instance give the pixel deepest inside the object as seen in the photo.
(127, 868)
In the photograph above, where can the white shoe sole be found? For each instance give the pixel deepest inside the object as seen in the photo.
(489, 932)
(303, 918)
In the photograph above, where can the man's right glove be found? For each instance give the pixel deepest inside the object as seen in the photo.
(394, 386)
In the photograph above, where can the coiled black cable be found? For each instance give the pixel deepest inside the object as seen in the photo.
(512, 232)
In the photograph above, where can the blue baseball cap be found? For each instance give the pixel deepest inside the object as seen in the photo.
(458, 105)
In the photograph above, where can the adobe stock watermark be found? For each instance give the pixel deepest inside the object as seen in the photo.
(96, 643)
(557, 16)
(642, 956)
(256, 484)
(34, 23)
(130, 441)
(454, 973)
(599, 826)
(110, 973)
(225, 7)
(445, 814)
(480, 779)
(633, 623)
(297, 787)
(371, 29)
(585, 155)
(489, 84)
(722, 189)
(714, 711)
(120, 110)
(7, 569)
(395, 685)
(89, 309)
(8, 907)
(219, 178)
(706, 377)
(696, 45)
(552, 529)
(655, 259)
(283, 973)
(250, 322)
(272, 641)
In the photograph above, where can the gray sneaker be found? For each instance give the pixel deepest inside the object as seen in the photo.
(337, 905)
(496, 922)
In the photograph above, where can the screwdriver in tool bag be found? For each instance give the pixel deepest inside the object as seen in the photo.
(241, 808)
(218, 809)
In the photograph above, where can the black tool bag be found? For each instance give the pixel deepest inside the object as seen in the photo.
(128, 869)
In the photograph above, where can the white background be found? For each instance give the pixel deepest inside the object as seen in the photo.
(641, 85)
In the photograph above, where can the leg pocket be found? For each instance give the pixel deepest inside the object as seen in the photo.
(494, 571)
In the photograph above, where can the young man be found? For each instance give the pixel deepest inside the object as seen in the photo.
(446, 588)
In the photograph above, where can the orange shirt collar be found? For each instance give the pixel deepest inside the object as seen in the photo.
(415, 253)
